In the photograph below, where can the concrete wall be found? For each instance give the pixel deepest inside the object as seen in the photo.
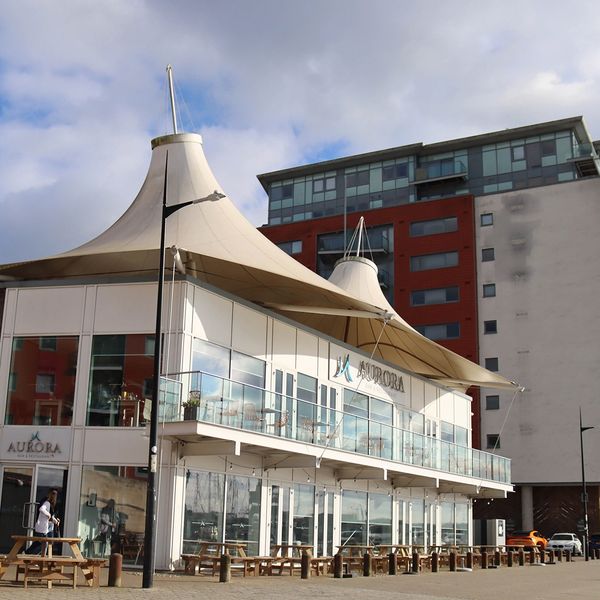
(547, 276)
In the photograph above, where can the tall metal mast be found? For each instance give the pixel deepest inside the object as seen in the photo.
(172, 96)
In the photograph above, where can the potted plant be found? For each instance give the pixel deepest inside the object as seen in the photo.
(190, 407)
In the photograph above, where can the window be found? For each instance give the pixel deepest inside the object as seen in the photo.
(487, 254)
(435, 226)
(446, 431)
(490, 327)
(318, 185)
(354, 179)
(486, 219)
(489, 290)
(434, 296)
(491, 364)
(442, 331)
(247, 369)
(492, 403)
(41, 384)
(120, 366)
(306, 388)
(116, 495)
(397, 171)
(518, 153)
(493, 441)
(294, 247)
(44, 383)
(426, 262)
(48, 343)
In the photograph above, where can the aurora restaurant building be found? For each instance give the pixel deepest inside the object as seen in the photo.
(293, 408)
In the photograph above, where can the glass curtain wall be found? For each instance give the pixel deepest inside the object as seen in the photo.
(354, 518)
(418, 523)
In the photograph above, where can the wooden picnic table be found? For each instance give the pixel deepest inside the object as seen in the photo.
(209, 554)
(292, 550)
(49, 566)
(355, 550)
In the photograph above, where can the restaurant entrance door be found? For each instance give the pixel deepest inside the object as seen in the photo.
(23, 487)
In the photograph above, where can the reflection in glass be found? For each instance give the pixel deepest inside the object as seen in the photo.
(243, 511)
(120, 380)
(112, 511)
(354, 517)
(380, 519)
(42, 381)
(304, 514)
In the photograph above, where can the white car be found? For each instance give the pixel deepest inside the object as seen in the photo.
(565, 541)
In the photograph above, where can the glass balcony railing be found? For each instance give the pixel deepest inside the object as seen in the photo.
(224, 402)
(584, 151)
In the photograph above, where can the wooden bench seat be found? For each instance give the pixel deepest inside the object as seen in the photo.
(50, 569)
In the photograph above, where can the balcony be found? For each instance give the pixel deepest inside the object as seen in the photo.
(586, 160)
(230, 404)
(334, 245)
(440, 170)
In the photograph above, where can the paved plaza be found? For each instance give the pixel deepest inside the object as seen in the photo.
(578, 580)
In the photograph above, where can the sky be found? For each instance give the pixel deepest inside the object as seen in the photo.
(269, 84)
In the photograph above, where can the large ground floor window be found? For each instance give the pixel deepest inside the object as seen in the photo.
(112, 512)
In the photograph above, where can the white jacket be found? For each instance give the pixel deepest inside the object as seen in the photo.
(42, 525)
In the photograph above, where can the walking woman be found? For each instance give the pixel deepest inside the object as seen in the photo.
(45, 518)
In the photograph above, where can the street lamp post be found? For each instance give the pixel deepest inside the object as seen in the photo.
(149, 533)
(584, 499)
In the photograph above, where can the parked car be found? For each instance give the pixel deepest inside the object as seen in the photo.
(595, 541)
(565, 541)
(529, 538)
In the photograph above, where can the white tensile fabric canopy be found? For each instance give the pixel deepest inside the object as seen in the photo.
(219, 246)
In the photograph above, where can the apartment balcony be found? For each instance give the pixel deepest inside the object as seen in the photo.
(335, 245)
(586, 160)
(223, 415)
(442, 170)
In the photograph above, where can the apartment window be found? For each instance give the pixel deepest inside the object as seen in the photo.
(434, 296)
(434, 226)
(294, 247)
(486, 219)
(441, 331)
(48, 343)
(490, 327)
(487, 254)
(44, 383)
(440, 260)
(493, 441)
(489, 290)
(492, 403)
(491, 364)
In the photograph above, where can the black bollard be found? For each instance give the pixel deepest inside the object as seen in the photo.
(338, 566)
(305, 565)
(509, 558)
(225, 568)
(542, 556)
(521, 557)
(559, 555)
(568, 555)
(497, 558)
(484, 560)
(470, 559)
(452, 561)
(415, 562)
(115, 568)
(551, 557)
(367, 565)
(392, 564)
(435, 562)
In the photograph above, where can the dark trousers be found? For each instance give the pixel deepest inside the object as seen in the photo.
(36, 547)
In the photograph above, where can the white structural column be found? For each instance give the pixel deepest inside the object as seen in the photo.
(527, 507)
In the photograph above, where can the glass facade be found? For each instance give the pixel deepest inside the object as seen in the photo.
(41, 383)
(485, 169)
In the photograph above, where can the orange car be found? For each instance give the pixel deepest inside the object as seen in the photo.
(529, 539)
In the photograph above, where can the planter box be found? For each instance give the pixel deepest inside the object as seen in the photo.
(190, 413)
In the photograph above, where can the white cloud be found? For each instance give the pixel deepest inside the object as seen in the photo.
(270, 84)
